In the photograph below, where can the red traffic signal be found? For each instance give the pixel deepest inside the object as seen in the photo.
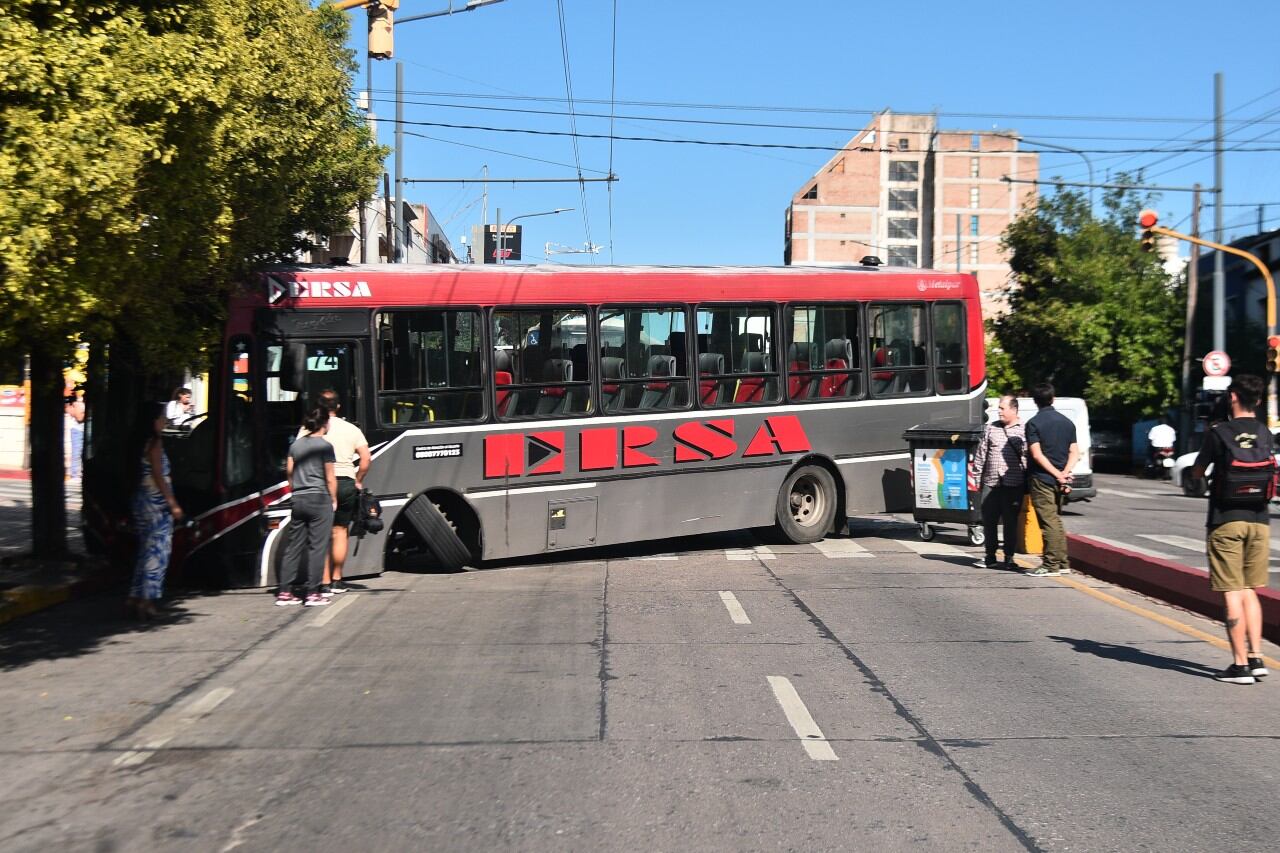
(1148, 217)
(1273, 354)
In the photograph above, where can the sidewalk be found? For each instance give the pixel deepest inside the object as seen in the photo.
(28, 585)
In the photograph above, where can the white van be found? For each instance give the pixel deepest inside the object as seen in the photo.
(1082, 488)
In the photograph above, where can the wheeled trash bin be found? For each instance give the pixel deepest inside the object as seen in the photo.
(941, 493)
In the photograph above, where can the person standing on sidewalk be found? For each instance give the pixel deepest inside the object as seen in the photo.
(349, 444)
(314, 498)
(1051, 444)
(999, 468)
(1239, 533)
(154, 509)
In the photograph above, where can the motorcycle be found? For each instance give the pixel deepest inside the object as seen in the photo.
(1159, 464)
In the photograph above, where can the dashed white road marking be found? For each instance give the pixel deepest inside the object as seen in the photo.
(835, 549)
(760, 552)
(931, 548)
(166, 727)
(815, 743)
(736, 613)
(1128, 546)
(1187, 542)
(331, 611)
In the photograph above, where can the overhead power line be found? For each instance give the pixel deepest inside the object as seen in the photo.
(834, 110)
(787, 146)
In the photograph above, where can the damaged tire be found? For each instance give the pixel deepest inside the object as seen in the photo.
(438, 534)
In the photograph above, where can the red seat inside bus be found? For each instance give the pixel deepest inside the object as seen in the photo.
(838, 355)
(502, 376)
(709, 364)
(612, 368)
(798, 387)
(658, 394)
(554, 398)
(751, 389)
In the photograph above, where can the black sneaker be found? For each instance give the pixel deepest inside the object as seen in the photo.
(1257, 668)
(325, 590)
(337, 587)
(1237, 674)
(989, 563)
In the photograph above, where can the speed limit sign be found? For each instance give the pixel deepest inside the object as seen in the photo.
(1217, 363)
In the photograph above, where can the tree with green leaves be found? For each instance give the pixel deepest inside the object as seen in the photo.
(151, 153)
(1090, 311)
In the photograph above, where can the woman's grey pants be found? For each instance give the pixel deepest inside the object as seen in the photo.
(307, 538)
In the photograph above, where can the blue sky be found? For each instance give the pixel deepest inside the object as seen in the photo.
(1116, 75)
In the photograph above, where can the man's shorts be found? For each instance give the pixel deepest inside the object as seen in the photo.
(1238, 554)
(348, 502)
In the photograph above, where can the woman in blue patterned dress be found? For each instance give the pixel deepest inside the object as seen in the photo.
(155, 509)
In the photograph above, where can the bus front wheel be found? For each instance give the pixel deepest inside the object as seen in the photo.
(806, 504)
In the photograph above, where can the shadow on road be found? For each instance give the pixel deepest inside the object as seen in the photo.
(1128, 654)
(78, 628)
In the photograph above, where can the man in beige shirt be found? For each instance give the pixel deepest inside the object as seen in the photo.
(349, 444)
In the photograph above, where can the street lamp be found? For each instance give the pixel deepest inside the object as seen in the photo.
(1087, 162)
(502, 258)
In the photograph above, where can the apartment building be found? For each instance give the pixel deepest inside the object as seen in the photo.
(915, 196)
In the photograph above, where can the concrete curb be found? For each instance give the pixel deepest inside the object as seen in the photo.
(1166, 580)
(31, 598)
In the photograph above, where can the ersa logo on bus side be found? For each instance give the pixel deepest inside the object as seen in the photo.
(277, 289)
(522, 454)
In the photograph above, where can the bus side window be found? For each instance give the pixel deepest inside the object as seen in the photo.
(951, 377)
(897, 343)
(823, 358)
(643, 363)
(429, 366)
(746, 372)
(544, 353)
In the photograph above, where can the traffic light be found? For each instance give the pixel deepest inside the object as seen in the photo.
(1273, 354)
(381, 22)
(1147, 219)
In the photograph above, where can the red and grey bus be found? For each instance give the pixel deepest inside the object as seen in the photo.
(530, 409)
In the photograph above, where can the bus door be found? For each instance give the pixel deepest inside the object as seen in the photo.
(294, 374)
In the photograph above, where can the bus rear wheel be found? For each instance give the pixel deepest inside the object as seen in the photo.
(806, 504)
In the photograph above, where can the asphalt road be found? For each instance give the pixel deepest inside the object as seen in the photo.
(1152, 517)
(702, 694)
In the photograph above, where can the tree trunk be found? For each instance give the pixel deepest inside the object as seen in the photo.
(48, 491)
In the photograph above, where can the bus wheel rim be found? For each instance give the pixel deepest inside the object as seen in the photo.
(808, 502)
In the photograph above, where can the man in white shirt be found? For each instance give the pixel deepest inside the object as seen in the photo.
(1162, 435)
(349, 444)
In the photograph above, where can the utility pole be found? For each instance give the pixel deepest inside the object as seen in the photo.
(1219, 274)
(399, 203)
(1188, 343)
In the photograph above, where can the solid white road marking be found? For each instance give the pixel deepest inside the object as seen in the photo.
(736, 613)
(1121, 493)
(332, 610)
(1187, 542)
(835, 549)
(656, 557)
(1128, 546)
(166, 727)
(760, 552)
(801, 720)
(931, 548)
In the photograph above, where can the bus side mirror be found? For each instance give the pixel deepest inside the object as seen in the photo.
(293, 367)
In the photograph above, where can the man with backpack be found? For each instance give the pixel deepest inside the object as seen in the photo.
(1238, 540)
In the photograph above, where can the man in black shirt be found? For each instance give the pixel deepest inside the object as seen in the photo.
(1051, 445)
(1239, 533)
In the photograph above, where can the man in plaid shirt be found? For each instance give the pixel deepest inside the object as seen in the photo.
(1000, 467)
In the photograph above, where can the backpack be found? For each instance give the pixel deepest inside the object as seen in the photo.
(1248, 474)
(368, 514)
